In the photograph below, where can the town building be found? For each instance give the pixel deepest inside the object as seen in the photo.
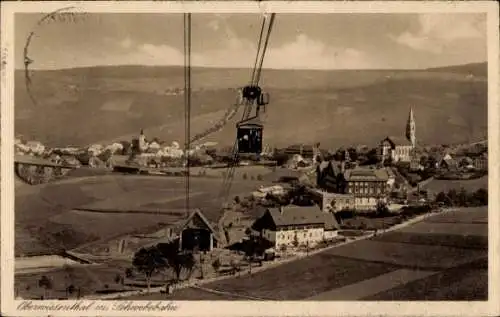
(306, 151)
(295, 226)
(447, 162)
(332, 202)
(368, 186)
(330, 176)
(481, 162)
(415, 164)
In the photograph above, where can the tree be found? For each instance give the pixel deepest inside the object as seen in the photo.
(388, 161)
(283, 248)
(148, 261)
(245, 176)
(441, 197)
(339, 155)
(382, 209)
(127, 147)
(295, 240)
(129, 273)
(177, 260)
(45, 283)
(237, 199)
(481, 197)
(119, 279)
(372, 157)
(70, 290)
(462, 198)
(353, 154)
(453, 196)
(431, 162)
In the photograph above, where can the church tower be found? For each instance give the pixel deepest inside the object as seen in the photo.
(142, 142)
(410, 129)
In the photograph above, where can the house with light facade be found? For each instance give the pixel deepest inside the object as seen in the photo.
(296, 226)
(332, 202)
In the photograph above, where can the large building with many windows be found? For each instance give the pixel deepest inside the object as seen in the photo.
(368, 186)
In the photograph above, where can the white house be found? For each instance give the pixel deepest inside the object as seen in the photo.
(332, 202)
(294, 226)
(35, 147)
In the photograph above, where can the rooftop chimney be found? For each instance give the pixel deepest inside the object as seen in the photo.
(281, 209)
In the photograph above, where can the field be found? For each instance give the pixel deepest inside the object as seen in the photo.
(70, 213)
(437, 185)
(413, 263)
(81, 106)
(87, 279)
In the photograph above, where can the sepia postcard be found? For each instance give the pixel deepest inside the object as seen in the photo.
(257, 158)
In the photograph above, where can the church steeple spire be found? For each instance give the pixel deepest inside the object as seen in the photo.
(410, 129)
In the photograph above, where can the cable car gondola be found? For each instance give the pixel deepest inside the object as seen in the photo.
(249, 134)
(249, 130)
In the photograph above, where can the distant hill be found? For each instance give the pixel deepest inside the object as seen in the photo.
(476, 69)
(84, 105)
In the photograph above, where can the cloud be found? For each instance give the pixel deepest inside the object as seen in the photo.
(302, 53)
(308, 53)
(437, 32)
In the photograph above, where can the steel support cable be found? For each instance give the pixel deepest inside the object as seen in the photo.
(264, 50)
(258, 51)
(187, 100)
(246, 113)
(248, 107)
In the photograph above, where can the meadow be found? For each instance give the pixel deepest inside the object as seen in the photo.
(74, 212)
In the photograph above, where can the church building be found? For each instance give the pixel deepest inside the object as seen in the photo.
(399, 149)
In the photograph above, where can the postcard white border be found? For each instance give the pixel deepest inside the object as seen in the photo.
(302, 308)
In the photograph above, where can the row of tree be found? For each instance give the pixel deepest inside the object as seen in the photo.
(163, 256)
(462, 198)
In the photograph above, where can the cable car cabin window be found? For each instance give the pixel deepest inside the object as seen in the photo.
(250, 140)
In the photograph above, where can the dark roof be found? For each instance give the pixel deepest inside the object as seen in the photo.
(297, 215)
(197, 212)
(397, 140)
(366, 175)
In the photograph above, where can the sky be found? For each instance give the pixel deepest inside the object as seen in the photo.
(298, 41)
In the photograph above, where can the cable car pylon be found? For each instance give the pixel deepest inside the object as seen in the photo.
(187, 104)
